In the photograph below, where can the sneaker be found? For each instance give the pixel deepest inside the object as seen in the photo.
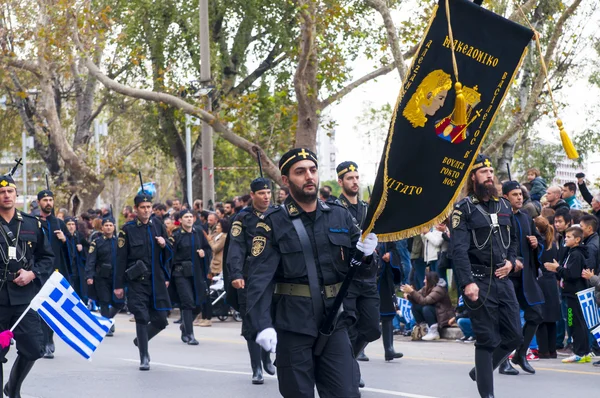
(470, 340)
(206, 323)
(565, 352)
(588, 357)
(576, 359)
(462, 339)
(512, 354)
(531, 356)
(597, 364)
(432, 333)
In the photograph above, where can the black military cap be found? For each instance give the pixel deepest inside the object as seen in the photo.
(183, 212)
(259, 184)
(69, 219)
(345, 167)
(294, 156)
(481, 162)
(509, 186)
(108, 219)
(46, 193)
(141, 198)
(7, 181)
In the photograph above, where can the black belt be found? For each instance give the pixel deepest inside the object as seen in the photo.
(481, 271)
(7, 276)
(300, 290)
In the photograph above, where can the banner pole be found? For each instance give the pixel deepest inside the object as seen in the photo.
(12, 329)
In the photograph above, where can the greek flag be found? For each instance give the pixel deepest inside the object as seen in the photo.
(461, 301)
(596, 334)
(61, 308)
(587, 300)
(405, 308)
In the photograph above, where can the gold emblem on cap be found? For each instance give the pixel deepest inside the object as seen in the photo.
(4, 183)
(304, 154)
(352, 168)
(487, 163)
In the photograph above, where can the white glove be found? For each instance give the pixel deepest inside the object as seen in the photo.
(368, 245)
(267, 339)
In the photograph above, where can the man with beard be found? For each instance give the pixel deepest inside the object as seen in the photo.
(299, 258)
(484, 251)
(524, 279)
(143, 258)
(229, 209)
(77, 248)
(25, 259)
(100, 271)
(243, 231)
(57, 232)
(284, 192)
(363, 295)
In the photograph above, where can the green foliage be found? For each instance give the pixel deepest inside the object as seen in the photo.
(541, 156)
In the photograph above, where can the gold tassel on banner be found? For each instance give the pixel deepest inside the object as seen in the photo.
(459, 116)
(564, 137)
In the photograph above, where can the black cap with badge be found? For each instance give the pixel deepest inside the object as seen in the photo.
(294, 156)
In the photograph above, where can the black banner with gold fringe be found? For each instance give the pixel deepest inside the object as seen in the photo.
(434, 138)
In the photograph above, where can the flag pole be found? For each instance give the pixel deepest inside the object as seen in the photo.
(12, 329)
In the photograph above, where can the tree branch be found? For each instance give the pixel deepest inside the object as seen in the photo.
(269, 63)
(516, 15)
(392, 38)
(538, 84)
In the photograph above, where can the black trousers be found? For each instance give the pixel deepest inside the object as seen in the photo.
(495, 315)
(104, 288)
(576, 321)
(185, 290)
(334, 372)
(362, 302)
(140, 301)
(546, 337)
(28, 333)
(424, 313)
(532, 313)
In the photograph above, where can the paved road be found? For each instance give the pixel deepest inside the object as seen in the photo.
(219, 367)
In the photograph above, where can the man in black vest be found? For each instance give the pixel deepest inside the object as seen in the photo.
(143, 257)
(528, 291)
(299, 258)
(25, 260)
(484, 251)
(363, 295)
(56, 232)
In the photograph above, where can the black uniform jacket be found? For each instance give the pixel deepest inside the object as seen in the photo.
(473, 244)
(102, 250)
(185, 248)
(49, 225)
(358, 211)
(527, 278)
(137, 241)
(38, 257)
(277, 256)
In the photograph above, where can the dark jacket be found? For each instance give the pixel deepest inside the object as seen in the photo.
(561, 204)
(526, 279)
(389, 276)
(61, 263)
(277, 257)
(137, 241)
(592, 243)
(439, 297)
(538, 188)
(570, 271)
(185, 247)
(549, 283)
(32, 243)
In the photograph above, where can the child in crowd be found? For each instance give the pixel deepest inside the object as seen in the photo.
(595, 282)
(571, 281)
(462, 320)
(538, 184)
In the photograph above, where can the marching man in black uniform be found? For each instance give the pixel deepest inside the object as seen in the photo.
(56, 232)
(363, 296)
(528, 291)
(26, 259)
(143, 258)
(100, 271)
(243, 231)
(300, 255)
(484, 253)
(190, 249)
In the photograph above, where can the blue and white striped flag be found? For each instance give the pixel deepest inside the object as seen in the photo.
(587, 300)
(596, 334)
(61, 308)
(461, 301)
(405, 308)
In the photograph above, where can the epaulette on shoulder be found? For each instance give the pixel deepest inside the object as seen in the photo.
(271, 210)
(335, 203)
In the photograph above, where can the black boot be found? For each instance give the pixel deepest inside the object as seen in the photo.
(142, 344)
(184, 337)
(105, 312)
(19, 371)
(387, 334)
(255, 353)
(485, 373)
(188, 322)
(51, 346)
(362, 357)
(520, 357)
(506, 368)
(152, 331)
(499, 356)
(113, 312)
(48, 347)
(267, 363)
